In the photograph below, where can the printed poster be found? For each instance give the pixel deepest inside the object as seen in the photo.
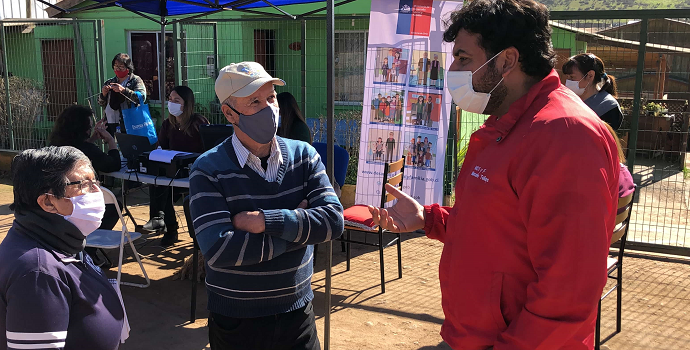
(406, 107)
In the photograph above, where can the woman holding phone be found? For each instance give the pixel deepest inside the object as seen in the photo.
(120, 91)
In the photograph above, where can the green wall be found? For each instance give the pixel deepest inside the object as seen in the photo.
(25, 54)
(23, 58)
(236, 43)
(24, 50)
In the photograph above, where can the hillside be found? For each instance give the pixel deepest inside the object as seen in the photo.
(582, 5)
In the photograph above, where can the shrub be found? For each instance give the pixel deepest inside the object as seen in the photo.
(27, 100)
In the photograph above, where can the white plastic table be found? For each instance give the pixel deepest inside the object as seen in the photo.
(124, 174)
(149, 179)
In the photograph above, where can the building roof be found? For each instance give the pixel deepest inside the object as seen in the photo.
(636, 23)
(597, 38)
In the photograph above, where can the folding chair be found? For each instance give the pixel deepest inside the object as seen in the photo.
(361, 211)
(109, 239)
(195, 256)
(620, 233)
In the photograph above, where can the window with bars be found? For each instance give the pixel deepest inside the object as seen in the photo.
(350, 66)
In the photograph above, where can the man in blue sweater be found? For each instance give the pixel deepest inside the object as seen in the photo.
(259, 204)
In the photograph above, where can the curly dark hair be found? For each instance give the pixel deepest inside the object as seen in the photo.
(500, 24)
(72, 127)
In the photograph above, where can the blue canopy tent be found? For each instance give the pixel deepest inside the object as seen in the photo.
(189, 9)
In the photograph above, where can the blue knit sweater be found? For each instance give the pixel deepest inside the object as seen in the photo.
(254, 275)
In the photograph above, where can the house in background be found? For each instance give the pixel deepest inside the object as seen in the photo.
(24, 9)
(667, 54)
(202, 48)
(667, 61)
(72, 60)
(50, 66)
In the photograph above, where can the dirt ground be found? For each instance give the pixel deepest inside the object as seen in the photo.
(656, 298)
(661, 212)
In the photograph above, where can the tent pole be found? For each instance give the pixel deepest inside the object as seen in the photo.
(330, 56)
(162, 62)
(303, 68)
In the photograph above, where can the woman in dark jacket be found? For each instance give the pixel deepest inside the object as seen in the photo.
(52, 296)
(120, 91)
(292, 123)
(179, 132)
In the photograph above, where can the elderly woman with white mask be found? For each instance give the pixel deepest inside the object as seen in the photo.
(52, 296)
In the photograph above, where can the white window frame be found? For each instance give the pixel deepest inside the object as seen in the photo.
(366, 45)
(158, 52)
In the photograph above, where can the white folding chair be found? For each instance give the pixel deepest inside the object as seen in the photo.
(109, 239)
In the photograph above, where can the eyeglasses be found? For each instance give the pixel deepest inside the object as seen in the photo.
(85, 184)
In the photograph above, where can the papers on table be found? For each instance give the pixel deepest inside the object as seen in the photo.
(165, 156)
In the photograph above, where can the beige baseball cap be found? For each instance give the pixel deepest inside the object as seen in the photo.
(242, 79)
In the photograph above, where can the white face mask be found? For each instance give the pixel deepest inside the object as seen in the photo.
(575, 86)
(175, 108)
(462, 91)
(87, 212)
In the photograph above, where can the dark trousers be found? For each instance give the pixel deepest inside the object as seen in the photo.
(294, 330)
(161, 202)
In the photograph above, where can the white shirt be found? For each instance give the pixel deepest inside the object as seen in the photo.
(275, 159)
(113, 115)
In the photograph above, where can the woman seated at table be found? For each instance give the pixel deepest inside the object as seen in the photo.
(587, 77)
(179, 132)
(53, 296)
(75, 127)
(292, 124)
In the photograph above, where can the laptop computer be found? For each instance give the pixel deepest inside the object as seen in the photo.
(213, 135)
(131, 146)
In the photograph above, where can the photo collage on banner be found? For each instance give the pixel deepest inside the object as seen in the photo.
(406, 107)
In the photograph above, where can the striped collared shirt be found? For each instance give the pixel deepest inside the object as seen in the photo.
(245, 157)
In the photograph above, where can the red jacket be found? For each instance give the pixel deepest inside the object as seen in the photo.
(524, 259)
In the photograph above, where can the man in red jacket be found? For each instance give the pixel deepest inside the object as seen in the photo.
(525, 246)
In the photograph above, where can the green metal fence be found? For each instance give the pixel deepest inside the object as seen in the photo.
(649, 54)
(45, 65)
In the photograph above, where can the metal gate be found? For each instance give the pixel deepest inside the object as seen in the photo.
(45, 66)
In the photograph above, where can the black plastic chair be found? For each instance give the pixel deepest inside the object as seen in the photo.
(620, 233)
(195, 257)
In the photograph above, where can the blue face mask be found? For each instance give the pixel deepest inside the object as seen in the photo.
(260, 126)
